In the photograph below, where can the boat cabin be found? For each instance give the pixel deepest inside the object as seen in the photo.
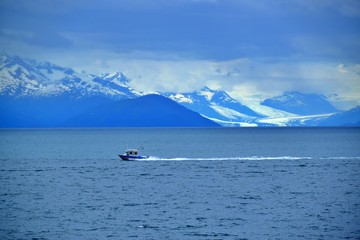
(132, 152)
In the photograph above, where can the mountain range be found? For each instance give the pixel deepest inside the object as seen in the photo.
(302, 104)
(42, 94)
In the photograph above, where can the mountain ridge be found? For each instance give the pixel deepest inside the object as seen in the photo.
(45, 94)
(26, 77)
(214, 104)
(300, 103)
(146, 111)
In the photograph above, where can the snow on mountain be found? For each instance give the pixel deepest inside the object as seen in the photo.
(45, 93)
(42, 94)
(215, 105)
(267, 111)
(293, 120)
(221, 108)
(300, 103)
(24, 77)
(207, 93)
(181, 98)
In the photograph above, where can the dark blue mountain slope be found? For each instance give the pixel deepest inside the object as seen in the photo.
(146, 111)
(30, 112)
(345, 119)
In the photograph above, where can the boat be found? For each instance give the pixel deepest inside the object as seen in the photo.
(131, 155)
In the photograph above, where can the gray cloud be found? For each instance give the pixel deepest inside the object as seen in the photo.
(261, 47)
(220, 30)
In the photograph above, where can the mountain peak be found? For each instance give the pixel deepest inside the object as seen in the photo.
(116, 76)
(207, 89)
(216, 96)
(113, 75)
(207, 93)
(300, 103)
(214, 104)
(47, 87)
(26, 77)
(3, 56)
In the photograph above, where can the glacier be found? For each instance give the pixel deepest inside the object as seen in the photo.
(27, 83)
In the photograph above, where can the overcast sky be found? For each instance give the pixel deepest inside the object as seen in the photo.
(252, 49)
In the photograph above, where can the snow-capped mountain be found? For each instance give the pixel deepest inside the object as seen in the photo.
(29, 78)
(215, 105)
(301, 104)
(42, 94)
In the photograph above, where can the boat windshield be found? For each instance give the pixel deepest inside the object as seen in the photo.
(131, 152)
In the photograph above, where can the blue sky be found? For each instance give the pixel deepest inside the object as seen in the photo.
(252, 49)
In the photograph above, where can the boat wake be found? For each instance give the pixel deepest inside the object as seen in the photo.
(253, 158)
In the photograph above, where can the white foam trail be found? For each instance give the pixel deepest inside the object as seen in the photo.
(253, 158)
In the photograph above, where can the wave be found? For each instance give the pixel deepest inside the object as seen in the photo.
(253, 158)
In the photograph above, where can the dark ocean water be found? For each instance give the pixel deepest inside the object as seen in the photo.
(222, 183)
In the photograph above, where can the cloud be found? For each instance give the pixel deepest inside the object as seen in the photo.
(245, 78)
(205, 29)
(249, 48)
(349, 69)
